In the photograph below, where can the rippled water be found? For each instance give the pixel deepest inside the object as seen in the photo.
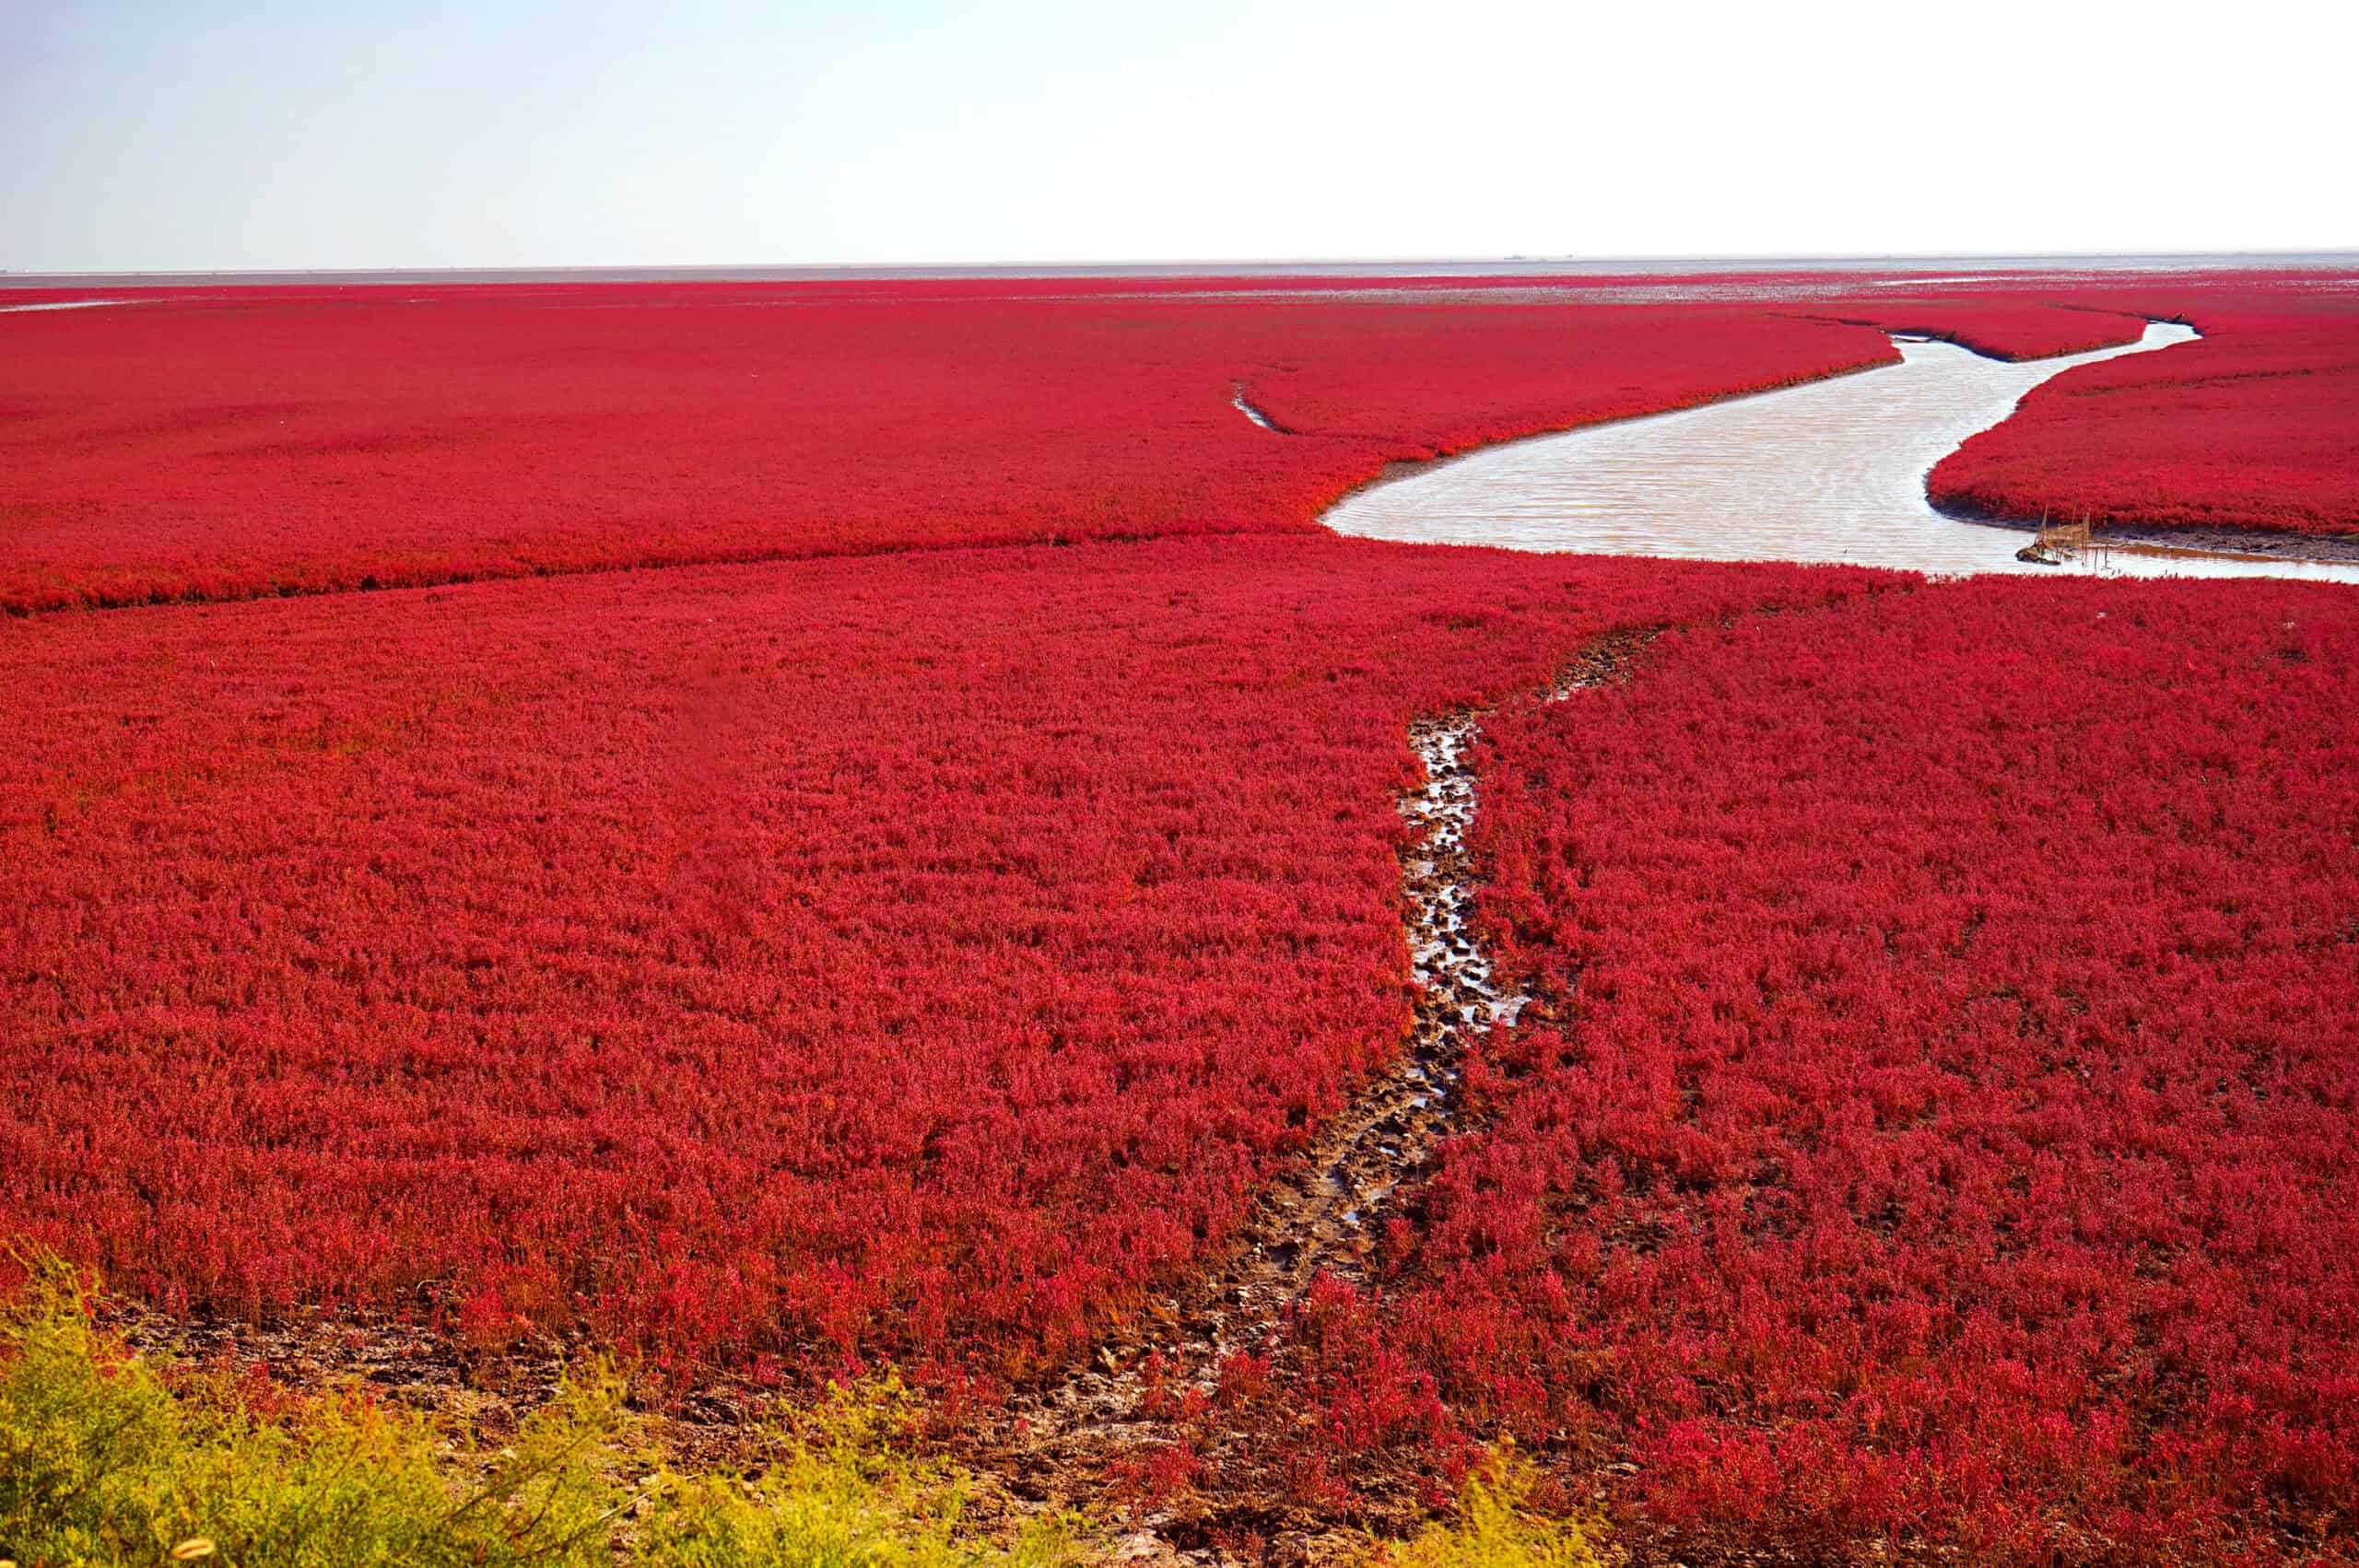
(1831, 471)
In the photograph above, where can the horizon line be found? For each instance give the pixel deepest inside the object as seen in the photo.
(1374, 266)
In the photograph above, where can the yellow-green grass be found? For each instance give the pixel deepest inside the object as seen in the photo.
(107, 1458)
(1495, 1527)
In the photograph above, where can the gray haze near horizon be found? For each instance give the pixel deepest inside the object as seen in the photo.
(1715, 276)
(245, 135)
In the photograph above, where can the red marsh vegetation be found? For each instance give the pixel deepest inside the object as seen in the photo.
(212, 447)
(207, 445)
(2255, 426)
(1940, 1117)
(1934, 1122)
(2013, 327)
(922, 955)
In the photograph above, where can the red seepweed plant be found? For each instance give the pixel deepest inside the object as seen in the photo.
(1932, 1123)
(2255, 426)
(923, 956)
(218, 446)
(1937, 1125)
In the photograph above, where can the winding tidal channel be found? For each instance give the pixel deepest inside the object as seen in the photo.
(1829, 471)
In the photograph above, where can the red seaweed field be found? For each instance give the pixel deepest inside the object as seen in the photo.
(2256, 427)
(2036, 327)
(1941, 1112)
(244, 445)
(921, 955)
(786, 830)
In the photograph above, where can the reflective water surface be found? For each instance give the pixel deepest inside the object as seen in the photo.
(1831, 471)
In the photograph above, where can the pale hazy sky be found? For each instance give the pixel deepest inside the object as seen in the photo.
(255, 134)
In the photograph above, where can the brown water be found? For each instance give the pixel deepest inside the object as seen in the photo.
(1831, 471)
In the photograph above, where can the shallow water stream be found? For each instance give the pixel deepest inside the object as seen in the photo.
(1830, 471)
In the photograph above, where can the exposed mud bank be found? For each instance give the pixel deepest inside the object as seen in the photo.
(2255, 544)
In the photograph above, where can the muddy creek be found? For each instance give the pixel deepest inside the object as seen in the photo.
(1830, 471)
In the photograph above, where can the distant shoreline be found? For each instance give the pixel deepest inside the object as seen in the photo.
(1504, 266)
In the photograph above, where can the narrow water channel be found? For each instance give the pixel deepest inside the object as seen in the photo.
(1830, 471)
